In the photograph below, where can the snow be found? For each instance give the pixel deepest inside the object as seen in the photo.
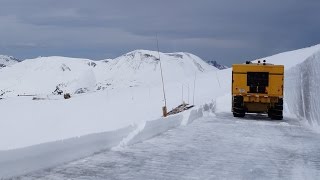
(133, 98)
(132, 90)
(291, 58)
(28, 159)
(120, 100)
(140, 67)
(301, 83)
(303, 90)
(7, 61)
(212, 147)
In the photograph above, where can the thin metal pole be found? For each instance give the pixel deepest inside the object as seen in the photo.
(163, 89)
(218, 79)
(188, 94)
(182, 93)
(194, 86)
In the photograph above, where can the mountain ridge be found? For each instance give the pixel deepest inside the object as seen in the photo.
(43, 75)
(6, 60)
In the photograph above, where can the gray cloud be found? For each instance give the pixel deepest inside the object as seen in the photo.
(226, 30)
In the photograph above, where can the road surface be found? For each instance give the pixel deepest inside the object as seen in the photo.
(212, 147)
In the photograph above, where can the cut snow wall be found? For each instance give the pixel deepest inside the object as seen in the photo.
(158, 126)
(14, 163)
(302, 88)
(21, 161)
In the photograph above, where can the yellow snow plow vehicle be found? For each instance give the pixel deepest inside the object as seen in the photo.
(257, 88)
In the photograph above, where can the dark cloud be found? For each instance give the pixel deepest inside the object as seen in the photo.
(225, 30)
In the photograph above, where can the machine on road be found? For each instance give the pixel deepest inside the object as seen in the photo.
(257, 88)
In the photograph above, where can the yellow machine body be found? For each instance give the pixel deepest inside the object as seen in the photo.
(257, 88)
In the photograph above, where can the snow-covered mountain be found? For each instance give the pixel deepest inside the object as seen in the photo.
(143, 66)
(7, 61)
(217, 65)
(44, 75)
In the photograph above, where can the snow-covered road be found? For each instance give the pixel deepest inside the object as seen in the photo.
(213, 147)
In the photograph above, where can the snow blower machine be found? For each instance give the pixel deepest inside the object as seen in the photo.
(257, 88)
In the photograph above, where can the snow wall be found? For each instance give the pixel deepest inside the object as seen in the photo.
(14, 163)
(302, 88)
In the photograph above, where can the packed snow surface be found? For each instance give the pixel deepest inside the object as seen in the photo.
(212, 147)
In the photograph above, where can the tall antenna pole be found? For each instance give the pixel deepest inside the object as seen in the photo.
(164, 94)
(182, 93)
(218, 79)
(194, 85)
(188, 94)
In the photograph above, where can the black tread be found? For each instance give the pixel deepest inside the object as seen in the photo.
(276, 117)
(238, 109)
(235, 114)
(275, 114)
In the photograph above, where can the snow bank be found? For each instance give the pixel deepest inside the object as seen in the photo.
(24, 160)
(156, 127)
(302, 90)
(291, 58)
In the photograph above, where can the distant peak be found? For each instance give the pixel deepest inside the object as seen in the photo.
(7, 60)
(217, 65)
(142, 55)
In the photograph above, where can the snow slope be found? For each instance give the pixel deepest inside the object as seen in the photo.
(292, 58)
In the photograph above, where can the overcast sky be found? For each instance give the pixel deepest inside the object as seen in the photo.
(228, 31)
